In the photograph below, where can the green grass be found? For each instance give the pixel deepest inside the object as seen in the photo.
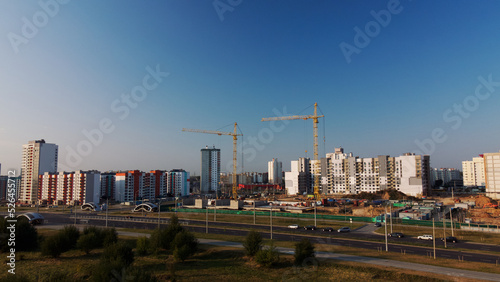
(209, 264)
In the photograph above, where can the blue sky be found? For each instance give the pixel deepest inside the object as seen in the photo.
(241, 64)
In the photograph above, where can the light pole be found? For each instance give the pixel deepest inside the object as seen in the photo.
(271, 215)
(215, 209)
(159, 211)
(444, 232)
(390, 209)
(315, 224)
(254, 212)
(451, 219)
(107, 207)
(74, 205)
(434, 238)
(385, 224)
(206, 206)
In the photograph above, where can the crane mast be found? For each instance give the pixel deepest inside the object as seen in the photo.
(315, 118)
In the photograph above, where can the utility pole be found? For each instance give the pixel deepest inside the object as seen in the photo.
(385, 224)
(444, 232)
(215, 209)
(159, 211)
(451, 219)
(315, 224)
(271, 214)
(107, 207)
(74, 205)
(434, 238)
(390, 208)
(206, 206)
(254, 212)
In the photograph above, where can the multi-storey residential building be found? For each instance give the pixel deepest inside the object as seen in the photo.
(178, 182)
(210, 170)
(298, 180)
(473, 172)
(275, 171)
(108, 180)
(447, 175)
(492, 169)
(38, 157)
(342, 173)
(128, 185)
(68, 188)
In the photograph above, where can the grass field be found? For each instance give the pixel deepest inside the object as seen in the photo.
(209, 264)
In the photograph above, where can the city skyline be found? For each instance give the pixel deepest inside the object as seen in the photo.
(390, 77)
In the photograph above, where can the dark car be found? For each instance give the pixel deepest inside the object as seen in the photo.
(329, 229)
(377, 224)
(396, 234)
(310, 227)
(450, 239)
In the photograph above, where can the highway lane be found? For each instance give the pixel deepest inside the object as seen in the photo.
(340, 239)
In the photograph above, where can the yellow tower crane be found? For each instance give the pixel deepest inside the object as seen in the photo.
(235, 138)
(315, 118)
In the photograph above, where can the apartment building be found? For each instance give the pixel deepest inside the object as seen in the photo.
(473, 172)
(492, 174)
(38, 157)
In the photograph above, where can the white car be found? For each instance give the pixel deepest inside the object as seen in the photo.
(424, 237)
(293, 226)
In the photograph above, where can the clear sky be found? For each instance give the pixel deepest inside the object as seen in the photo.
(389, 76)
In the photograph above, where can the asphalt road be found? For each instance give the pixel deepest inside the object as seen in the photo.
(355, 238)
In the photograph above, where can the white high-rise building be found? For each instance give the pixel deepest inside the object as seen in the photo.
(298, 180)
(38, 157)
(492, 169)
(210, 170)
(275, 171)
(473, 172)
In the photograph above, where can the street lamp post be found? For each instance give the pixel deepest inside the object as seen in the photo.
(315, 224)
(385, 224)
(159, 211)
(254, 212)
(271, 215)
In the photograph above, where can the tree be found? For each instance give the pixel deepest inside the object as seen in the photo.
(253, 243)
(120, 252)
(88, 242)
(26, 236)
(53, 246)
(162, 238)
(109, 236)
(184, 245)
(71, 235)
(303, 250)
(143, 246)
(268, 257)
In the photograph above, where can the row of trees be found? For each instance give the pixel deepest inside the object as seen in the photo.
(270, 256)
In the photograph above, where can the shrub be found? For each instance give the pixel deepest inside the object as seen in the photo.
(142, 246)
(88, 242)
(120, 253)
(184, 245)
(303, 250)
(26, 236)
(253, 243)
(109, 236)
(268, 257)
(71, 235)
(162, 238)
(53, 246)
